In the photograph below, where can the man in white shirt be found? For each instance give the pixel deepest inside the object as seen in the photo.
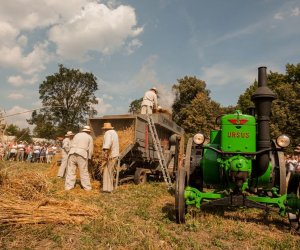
(20, 151)
(149, 101)
(66, 144)
(81, 150)
(110, 154)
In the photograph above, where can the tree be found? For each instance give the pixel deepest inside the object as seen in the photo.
(201, 115)
(44, 127)
(68, 97)
(12, 130)
(135, 106)
(286, 108)
(193, 109)
(185, 91)
(20, 134)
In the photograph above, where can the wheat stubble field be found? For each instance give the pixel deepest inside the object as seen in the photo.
(36, 213)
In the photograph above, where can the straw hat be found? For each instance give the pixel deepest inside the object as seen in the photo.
(69, 133)
(153, 88)
(86, 129)
(107, 125)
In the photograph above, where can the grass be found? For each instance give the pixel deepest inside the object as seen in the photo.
(142, 217)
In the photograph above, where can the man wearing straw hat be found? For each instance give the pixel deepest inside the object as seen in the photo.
(81, 150)
(66, 144)
(149, 101)
(110, 155)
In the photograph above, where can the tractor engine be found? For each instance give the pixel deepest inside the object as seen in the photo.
(237, 140)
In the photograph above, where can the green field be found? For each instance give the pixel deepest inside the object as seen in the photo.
(141, 217)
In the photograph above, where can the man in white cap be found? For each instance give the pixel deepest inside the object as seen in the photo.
(110, 154)
(149, 101)
(81, 150)
(66, 144)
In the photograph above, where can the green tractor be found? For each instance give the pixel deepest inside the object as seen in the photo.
(240, 166)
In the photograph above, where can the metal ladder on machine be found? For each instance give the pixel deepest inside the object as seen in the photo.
(158, 149)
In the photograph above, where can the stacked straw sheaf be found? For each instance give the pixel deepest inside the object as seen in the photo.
(54, 165)
(24, 199)
(126, 137)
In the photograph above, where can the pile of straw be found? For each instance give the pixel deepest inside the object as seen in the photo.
(27, 186)
(24, 199)
(13, 212)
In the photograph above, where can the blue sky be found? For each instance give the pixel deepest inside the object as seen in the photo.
(132, 45)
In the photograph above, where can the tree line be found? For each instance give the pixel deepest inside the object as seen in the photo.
(69, 98)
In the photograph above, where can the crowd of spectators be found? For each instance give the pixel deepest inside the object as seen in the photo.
(30, 152)
(292, 163)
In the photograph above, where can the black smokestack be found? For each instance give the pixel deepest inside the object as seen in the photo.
(262, 98)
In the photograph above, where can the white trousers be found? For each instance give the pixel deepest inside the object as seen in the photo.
(63, 165)
(108, 176)
(75, 161)
(146, 110)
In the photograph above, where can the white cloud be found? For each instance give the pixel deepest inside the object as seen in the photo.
(22, 41)
(16, 80)
(282, 15)
(32, 14)
(218, 74)
(134, 88)
(295, 12)
(8, 33)
(15, 96)
(146, 77)
(112, 3)
(133, 45)
(37, 104)
(96, 28)
(279, 16)
(18, 115)
(33, 62)
(102, 107)
(108, 97)
(20, 81)
(76, 29)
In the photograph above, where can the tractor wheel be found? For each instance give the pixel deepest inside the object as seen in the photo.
(188, 155)
(180, 206)
(294, 187)
(191, 165)
(140, 176)
(279, 171)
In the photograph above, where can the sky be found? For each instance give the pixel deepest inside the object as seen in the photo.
(133, 45)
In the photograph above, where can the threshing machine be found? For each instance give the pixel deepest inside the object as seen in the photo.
(240, 166)
(138, 157)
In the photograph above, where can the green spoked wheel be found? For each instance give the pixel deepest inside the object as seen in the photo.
(180, 206)
(294, 188)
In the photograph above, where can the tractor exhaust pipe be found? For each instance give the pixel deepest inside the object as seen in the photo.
(262, 98)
